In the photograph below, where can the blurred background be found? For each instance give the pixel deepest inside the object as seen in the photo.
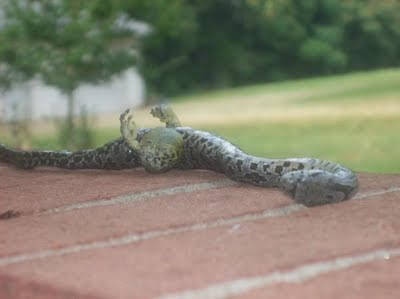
(278, 78)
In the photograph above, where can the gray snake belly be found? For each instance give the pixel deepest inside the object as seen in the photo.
(308, 181)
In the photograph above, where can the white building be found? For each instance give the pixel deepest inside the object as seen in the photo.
(34, 100)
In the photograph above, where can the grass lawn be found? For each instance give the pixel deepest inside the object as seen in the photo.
(353, 119)
(363, 145)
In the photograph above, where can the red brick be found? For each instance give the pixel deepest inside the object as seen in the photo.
(13, 287)
(379, 279)
(371, 181)
(35, 190)
(196, 259)
(31, 233)
(174, 262)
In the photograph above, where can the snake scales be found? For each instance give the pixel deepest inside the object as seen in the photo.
(308, 181)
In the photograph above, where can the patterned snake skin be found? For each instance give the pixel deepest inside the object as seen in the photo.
(308, 181)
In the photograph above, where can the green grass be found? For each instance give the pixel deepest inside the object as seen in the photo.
(328, 88)
(363, 145)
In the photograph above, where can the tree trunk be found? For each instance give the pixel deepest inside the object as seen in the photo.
(70, 125)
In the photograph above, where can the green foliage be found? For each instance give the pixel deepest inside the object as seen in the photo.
(216, 43)
(321, 54)
(372, 33)
(65, 43)
(198, 44)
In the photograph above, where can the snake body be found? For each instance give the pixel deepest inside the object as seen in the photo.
(308, 181)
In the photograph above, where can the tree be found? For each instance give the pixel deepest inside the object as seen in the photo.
(372, 33)
(165, 52)
(65, 44)
(200, 44)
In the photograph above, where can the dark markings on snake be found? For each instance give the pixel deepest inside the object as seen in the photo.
(278, 169)
(308, 180)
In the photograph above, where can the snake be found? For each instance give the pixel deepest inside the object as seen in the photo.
(308, 181)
